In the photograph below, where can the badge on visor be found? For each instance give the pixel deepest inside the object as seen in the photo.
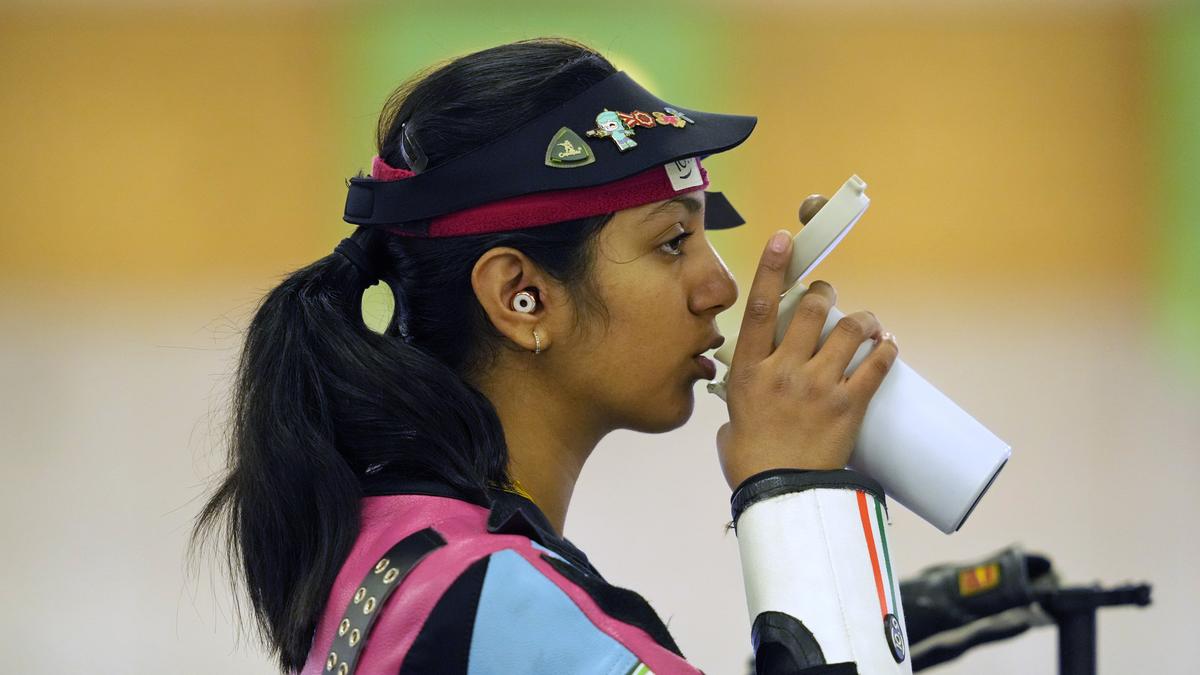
(619, 126)
(610, 124)
(684, 173)
(673, 117)
(567, 150)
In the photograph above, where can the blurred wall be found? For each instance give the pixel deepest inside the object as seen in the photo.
(1031, 241)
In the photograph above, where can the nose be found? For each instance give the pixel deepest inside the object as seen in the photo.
(717, 289)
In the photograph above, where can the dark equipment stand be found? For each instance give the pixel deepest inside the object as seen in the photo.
(1074, 610)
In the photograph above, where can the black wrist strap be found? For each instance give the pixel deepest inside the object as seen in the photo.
(775, 482)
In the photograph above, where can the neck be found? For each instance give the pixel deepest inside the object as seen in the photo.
(549, 437)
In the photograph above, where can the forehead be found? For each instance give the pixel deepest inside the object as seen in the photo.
(693, 202)
(646, 217)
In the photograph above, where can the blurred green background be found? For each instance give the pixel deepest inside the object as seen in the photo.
(1032, 240)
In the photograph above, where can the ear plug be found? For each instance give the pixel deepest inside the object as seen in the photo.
(524, 302)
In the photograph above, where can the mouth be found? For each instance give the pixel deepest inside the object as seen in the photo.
(713, 344)
(707, 368)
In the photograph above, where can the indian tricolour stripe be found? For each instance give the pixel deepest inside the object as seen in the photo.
(640, 669)
(875, 537)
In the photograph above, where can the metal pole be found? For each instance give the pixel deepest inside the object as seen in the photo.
(1077, 642)
(1074, 610)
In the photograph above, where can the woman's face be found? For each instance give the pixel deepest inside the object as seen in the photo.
(663, 285)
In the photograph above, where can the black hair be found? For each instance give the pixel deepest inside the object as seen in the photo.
(321, 402)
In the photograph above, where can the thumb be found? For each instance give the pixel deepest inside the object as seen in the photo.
(811, 205)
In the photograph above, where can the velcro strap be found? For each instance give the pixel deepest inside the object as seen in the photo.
(775, 482)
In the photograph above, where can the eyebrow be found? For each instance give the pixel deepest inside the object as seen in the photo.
(689, 202)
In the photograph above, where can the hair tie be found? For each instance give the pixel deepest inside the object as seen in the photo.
(350, 250)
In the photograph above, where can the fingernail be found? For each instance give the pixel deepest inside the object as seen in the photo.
(889, 336)
(780, 241)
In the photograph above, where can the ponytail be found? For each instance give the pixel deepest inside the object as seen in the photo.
(319, 398)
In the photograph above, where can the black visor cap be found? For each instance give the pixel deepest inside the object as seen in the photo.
(514, 164)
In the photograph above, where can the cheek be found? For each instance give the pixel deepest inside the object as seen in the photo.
(644, 317)
(648, 331)
(647, 339)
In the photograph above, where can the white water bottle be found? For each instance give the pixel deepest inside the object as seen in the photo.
(926, 451)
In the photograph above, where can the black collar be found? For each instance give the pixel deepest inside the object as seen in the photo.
(510, 513)
(514, 514)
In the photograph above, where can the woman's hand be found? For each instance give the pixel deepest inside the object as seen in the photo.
(792, 406)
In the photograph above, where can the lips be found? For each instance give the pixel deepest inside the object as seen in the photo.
(707, 367)
(716, 342)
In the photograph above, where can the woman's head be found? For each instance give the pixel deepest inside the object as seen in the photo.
(321, 403)
(605, 284)
(444, 113)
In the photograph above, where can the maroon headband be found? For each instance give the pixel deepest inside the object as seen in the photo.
(543, 208)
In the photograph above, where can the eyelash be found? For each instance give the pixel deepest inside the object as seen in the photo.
(677, 241)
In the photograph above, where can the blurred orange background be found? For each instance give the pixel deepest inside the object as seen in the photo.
(1031, 241)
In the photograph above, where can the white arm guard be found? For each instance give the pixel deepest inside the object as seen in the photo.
(819, 577)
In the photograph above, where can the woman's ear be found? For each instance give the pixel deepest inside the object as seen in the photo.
(497, 277)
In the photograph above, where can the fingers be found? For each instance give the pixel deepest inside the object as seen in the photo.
(810, 206)
(804, 331)
(756, 339)
(865, 380)
(844, 340)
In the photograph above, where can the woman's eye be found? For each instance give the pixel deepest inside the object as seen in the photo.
(673, 247)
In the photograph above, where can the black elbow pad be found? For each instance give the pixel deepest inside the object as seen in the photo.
(783, 646)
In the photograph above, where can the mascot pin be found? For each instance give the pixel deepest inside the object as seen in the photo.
(619, 126)
(610, 125)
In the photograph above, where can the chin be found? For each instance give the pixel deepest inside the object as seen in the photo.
(668, 415)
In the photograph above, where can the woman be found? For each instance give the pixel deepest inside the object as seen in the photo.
(395, 502)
